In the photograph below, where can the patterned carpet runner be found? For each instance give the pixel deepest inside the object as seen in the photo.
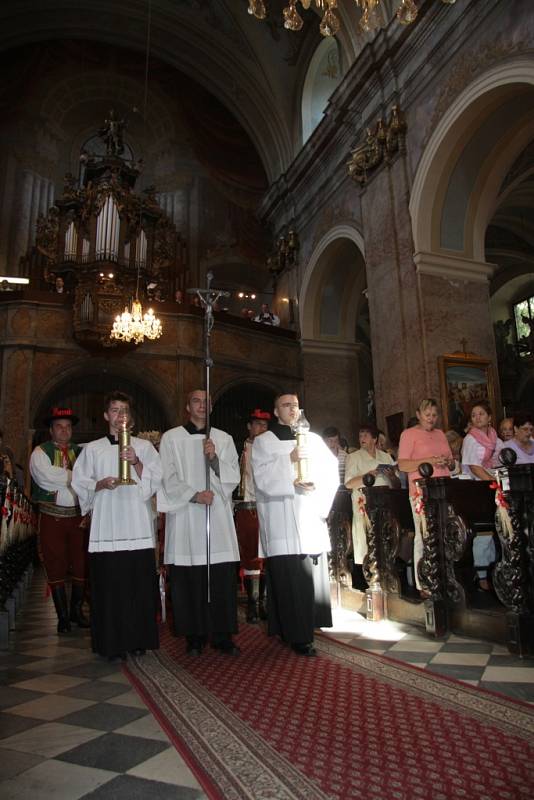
(271, 725)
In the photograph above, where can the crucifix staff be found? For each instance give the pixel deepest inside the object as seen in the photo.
(208, 297)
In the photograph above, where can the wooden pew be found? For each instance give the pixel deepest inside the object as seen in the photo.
(456, 510)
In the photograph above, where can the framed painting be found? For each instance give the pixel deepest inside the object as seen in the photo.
(464, 378)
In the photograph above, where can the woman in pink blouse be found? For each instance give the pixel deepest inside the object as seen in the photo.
(423, 443)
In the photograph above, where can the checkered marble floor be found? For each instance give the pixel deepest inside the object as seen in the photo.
(72, 727)
(70, 724)
(476, 662)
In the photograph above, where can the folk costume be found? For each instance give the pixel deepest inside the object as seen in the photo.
(121, 547)
(247, 529)
(184, 474)
(294, 535)
(62, 537)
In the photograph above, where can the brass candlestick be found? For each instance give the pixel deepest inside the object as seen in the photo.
(301, 428)
(125, 478)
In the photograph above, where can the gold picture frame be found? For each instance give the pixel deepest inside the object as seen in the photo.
(464, 378)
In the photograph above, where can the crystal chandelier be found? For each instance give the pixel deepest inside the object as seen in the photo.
(330, 25)
(134, 326)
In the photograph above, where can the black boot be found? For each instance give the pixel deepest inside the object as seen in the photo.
(251, 588)
(76, 606)
(60, 601)
(262, 610)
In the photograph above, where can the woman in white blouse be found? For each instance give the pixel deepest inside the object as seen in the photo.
(480, 456)
(368, 459)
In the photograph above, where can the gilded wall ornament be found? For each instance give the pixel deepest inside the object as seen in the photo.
(381, 144)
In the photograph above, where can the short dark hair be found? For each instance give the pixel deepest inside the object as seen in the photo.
(291, 392)
(522, 417)
(368, 427)
(330, 432)
(120, 397)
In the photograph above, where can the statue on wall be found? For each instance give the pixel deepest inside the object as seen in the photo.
(502, 329)
(528, 340)
(112, 135)
(46, 239)
(371, 412)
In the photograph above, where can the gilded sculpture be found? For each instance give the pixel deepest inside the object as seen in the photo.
(381, 144)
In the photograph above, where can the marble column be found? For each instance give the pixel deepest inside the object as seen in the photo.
(421, 306)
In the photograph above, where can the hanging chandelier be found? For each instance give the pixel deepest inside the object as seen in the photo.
(370, 19)
(134, 326)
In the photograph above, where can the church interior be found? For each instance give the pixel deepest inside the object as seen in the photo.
(363, 172)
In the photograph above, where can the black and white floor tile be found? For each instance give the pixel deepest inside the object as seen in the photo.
(72, 727)
(478, 663)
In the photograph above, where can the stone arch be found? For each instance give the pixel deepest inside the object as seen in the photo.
(76, 384)
(466, 160)
(234, 400)
(313, 284)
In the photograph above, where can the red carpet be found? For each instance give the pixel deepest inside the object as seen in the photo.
(348, 724)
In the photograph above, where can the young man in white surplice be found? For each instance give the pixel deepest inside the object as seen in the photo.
(122, 565)
(293, 531)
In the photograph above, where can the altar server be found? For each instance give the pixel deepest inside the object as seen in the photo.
(121, 542)
(184, 498)
(293, 532)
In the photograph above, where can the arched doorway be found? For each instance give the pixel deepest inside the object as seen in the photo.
(85, 393)
(233, 406)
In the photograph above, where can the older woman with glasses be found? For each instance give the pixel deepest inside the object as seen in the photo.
(522, 444)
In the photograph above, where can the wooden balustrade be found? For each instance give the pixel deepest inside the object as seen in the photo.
(17, 553)
(456, 511)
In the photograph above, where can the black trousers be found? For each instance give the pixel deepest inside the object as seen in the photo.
(124, 601)
(298, 597)
(192, 614)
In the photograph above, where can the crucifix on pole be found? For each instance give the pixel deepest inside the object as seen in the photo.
(208, 297)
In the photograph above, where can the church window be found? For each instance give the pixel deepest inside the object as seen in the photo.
(524, 324)
(323, 76)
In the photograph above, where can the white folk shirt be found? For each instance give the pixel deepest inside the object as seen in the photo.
(184, 474)
(52, 479)
(121, 518)
(291, 521)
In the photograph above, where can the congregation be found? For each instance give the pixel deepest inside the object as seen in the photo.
(264, 521)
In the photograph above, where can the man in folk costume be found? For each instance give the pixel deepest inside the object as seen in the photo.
(62, 533)
(122, 563)
(246, 523)
(293, 532)
(184, 498)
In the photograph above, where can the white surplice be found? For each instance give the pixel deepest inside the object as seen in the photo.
(184, 474)
(291, 521)
(122, 518)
